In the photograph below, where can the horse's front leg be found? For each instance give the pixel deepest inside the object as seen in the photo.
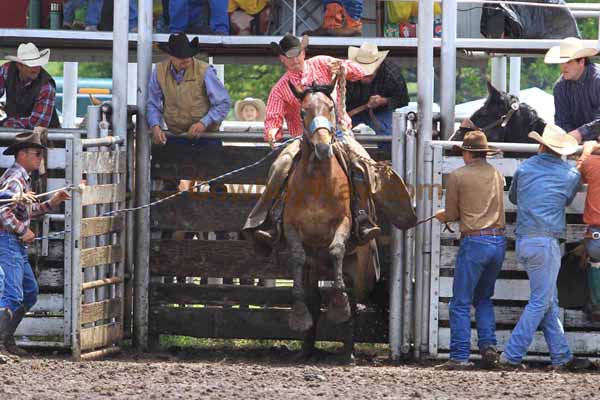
(338, 310)
(300, 319)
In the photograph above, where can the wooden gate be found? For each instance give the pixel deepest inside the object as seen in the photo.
(204, 281)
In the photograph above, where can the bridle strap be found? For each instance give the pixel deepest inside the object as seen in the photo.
(505, 119)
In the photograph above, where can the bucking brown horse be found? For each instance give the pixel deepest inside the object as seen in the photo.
(317, 223)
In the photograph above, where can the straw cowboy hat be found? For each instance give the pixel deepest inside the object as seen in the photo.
(28, 54)
(257, 103)
(368, 56)
(556, 139)
(179, 46)
(290, 46)
(25, 140)
(475, 142)
(569, 49)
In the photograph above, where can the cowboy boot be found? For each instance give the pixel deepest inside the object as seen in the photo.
(269, 234)
(332, 19)
(9, 338)
(5, 320)
(367, 228)
(352, 27)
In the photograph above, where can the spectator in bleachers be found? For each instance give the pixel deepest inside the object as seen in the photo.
(30, 90)
(249, 109)
(373, 99)
(475, 198)
(541, 188)
(577, 91)
(186, 16)
(341, 18)
(92, 17)
(249, 17)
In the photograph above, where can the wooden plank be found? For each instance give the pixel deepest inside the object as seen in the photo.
(574, 232)
(101, 255)
(43, 344)
(49, 303)
(46, 326)
(51, 278)
(101, 282)
(100, 310)
(103, 162)
(56, 158)
(94, 355)
(205, 212)
(504, 315)
(579, 319)
(448, 259)
(100, 336)
(506, 289)
(579, 342)
(176, 162)
(101, 225)
(103, 194)
(235, 323)
(214, 258)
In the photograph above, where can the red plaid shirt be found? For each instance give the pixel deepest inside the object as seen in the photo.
(282, 104)
(15, 218)
(42, 109)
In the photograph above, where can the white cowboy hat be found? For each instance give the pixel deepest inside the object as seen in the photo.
(29, 55)
(368, 56)
(556, 139)
(569, 49)
(258, 103)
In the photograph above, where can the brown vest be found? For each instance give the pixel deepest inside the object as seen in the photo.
(184, 103)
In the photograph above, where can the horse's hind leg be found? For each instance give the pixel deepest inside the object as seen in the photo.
(338, 310)
(348, 354)
(313, 301)
(300, 319)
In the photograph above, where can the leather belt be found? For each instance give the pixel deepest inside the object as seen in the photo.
(591, 235)
(484, 232)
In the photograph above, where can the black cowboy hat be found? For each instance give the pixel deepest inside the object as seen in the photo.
(25, 140)
(290, 46)
(180, 47)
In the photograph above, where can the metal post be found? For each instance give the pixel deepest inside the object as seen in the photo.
(294, 18)
(425, 101)
(397, 274)
(499, 73)
(142, 178)
(69, 99)
(76, 245)
(448, 67)
(119, 67)
(515, 76)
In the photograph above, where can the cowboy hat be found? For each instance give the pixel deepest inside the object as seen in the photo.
(368, 56)
(257, 103)
(290, 46)
(28, 54)
(569, 49)
(556, 139)
(25, 140)
(179, 46)
(475, 142)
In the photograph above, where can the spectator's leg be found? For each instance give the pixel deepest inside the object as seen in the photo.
(332, 19)
(381, 123)
(198, 17)
(92, 17)
(219, 20)
(133, 15)
(69, 12)
(353, 10)
(178, 15)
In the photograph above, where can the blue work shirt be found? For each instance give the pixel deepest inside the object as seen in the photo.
(541, 188)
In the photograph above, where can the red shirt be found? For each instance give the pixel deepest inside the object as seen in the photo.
(282, 104)
(590, 171)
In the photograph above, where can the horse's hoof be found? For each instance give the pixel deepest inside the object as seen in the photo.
(338, 310)
(347, 359)
(300, 319)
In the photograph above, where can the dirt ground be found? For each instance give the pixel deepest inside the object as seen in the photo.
(273, 374)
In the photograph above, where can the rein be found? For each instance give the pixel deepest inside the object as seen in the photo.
(505, 119)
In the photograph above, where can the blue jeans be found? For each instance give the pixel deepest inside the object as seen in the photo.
(384, 118)
(478, 264)
(592, 246)
(540, 255)
(353, 7)
(20, 286)
(185, 15)
(92, 17)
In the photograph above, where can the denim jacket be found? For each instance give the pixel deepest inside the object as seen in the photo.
(541, 188)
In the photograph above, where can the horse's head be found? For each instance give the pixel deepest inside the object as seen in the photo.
(318, 115)
(503, 118)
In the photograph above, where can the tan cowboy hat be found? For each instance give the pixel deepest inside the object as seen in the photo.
(569, 49)
(258, 103)
(368, 56)
(25, 140)
(28, 54)
(475, 142)
(556, 139)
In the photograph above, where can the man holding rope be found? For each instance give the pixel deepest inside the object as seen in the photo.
(475, 197)
(20, 286)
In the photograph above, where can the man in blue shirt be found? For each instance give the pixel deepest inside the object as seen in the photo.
(577, 91)
(541, 188)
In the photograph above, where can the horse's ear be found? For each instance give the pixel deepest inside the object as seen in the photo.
(331, 86)
(493, 92)
(294, 89)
